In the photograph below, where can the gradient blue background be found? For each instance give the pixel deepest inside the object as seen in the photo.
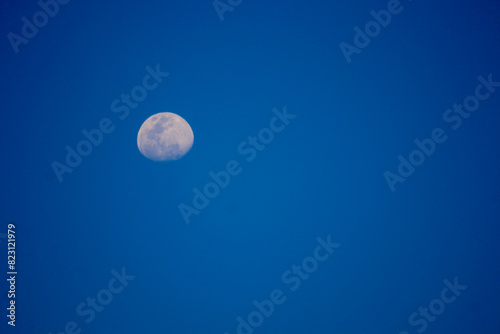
(322, 175)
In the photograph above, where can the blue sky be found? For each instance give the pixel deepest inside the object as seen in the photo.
(321, 177)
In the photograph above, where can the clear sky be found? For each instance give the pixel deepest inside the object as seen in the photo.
(354, 146)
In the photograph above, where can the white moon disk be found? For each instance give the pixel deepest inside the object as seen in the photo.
(165, 136)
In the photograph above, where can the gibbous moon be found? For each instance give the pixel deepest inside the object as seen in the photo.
(165, 136)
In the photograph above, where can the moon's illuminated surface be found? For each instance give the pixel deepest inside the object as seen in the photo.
(165, 136)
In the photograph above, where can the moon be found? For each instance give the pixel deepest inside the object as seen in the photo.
(165, 136)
